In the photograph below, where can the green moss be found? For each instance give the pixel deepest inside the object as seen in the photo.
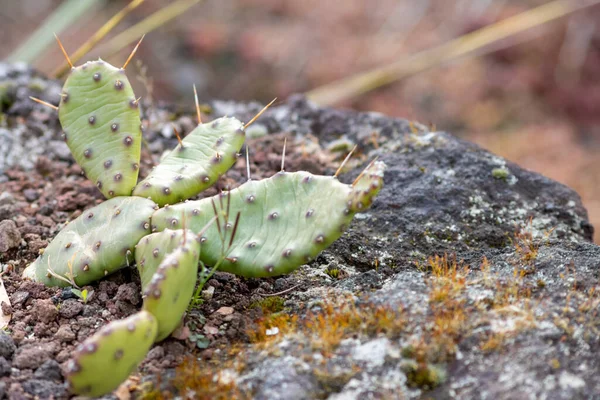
(501, 173)
(37, 85)
(424, 376)
(6, 99)
(269, 305)
(333, 272)
(541, 283)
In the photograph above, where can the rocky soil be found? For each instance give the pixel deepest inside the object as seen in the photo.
(469, 278)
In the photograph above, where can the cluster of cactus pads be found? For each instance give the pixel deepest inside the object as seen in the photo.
(282, 222)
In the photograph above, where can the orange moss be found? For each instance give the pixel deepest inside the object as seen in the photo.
(269, 305)
(493, 343)
(448, 277)
(338, 319)
(202, 383)
(195, 379)
(336, 322)
(282, 323)
(527, 248)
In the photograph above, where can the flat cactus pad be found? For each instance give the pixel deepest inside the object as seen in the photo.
(97, 243)
(106, 359)
(170, 290)
(285, 221)
(101, 123)
(196, 163)
(152, 249)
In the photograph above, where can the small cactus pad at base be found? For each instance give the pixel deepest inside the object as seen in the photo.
(97, 243)
(196, 163)
(152, 249)
(285, 220)
(101, 122)
(170, 290)
(106, 359)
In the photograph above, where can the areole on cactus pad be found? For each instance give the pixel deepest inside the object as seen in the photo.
(281, 222)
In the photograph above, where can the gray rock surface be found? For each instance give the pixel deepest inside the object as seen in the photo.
(7, 346)
(10, 237)
(23, 143)
(526, 309)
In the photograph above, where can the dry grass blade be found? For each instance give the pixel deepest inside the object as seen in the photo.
(228, 207)
(147, 25)
(217, 215)
(208, 224)
(468, 44)
(98, 36)
(234, 231)
(63, 17)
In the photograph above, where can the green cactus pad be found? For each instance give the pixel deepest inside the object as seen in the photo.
(195, 164)
(97, 243)
(101, 123)
(285, 221)
(152, 249)
(106, 359)
(170, 290)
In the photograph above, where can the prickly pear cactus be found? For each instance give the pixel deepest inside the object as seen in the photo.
(286, 220)
(106, 359)
(196, 163)
(101, 123)
(97, 243)
(170, 290)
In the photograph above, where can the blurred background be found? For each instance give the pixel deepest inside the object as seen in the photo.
(534, 99)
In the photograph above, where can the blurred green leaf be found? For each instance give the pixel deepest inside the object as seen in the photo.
(64, 16)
